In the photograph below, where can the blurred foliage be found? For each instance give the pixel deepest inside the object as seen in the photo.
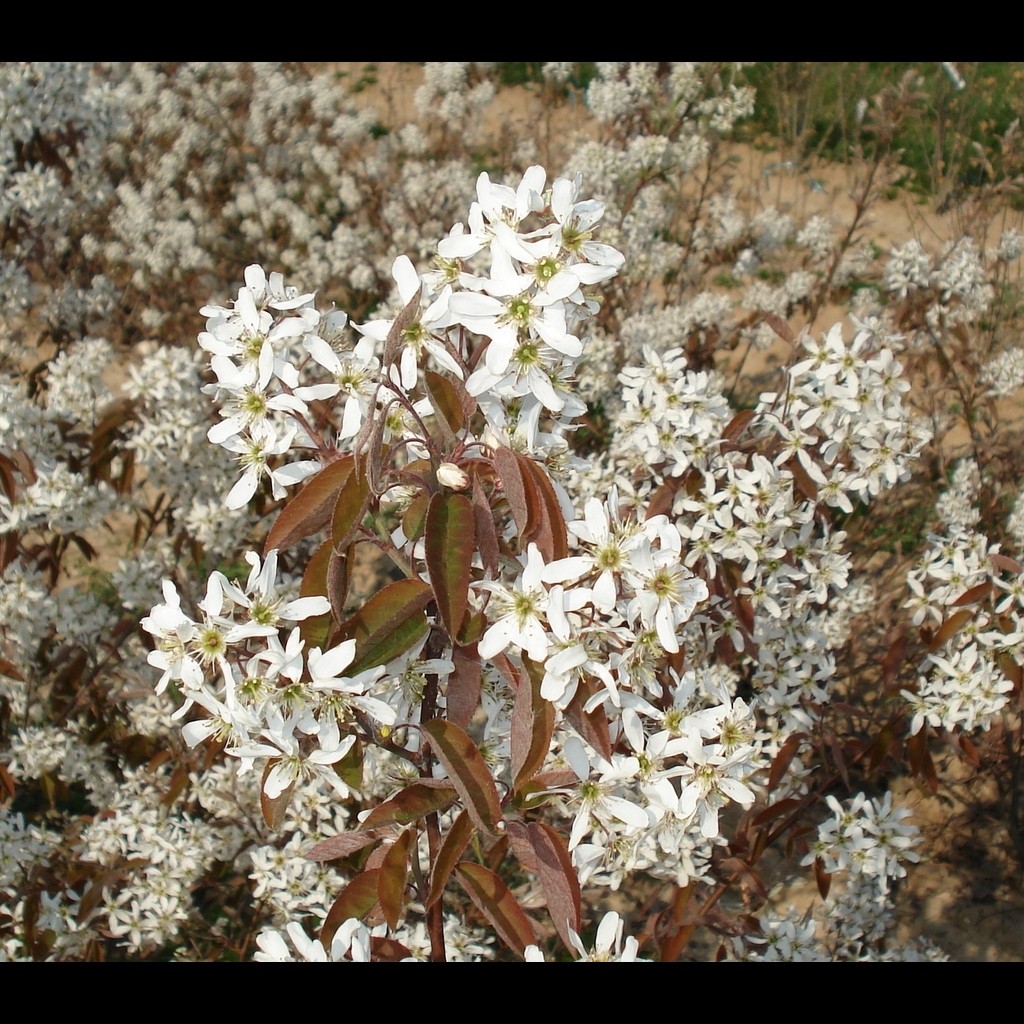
(964, 134)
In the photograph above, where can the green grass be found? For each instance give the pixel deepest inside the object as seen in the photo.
(949, 141)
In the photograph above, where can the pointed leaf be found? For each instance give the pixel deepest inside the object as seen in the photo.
(950, 628)
(974, 595)
(893, 660)
(881, 746)
(358, 899)
(448, 414)
(350, 508)
(592, 726)
(384, 950)
(344, 844)
(497, 904)
(486, 534)
(448, 856)
(7, 784)
(415, 517)
(508, 671)
(8, 482)
(25, 465)
(802, 479)
(507, 465)
(970, 751)
(339, 573)
(474, 625)
(779, 326)
(783, 759)
(468, 772)
(839, 756)
(735, 427)
(558, 879)
(519, 842)
(390, 623)
(450, 543)
(463, 692)
(558, 779)
(662, 499)
(546, 527)
(350, 768)
(8, 549)
(274, 808)
(405, 319)
(449, 399)
(315, 629)
(533, 722)
(311, 509)
(822, 877)
(776, 810)
(409, 804)
(314, 579)
(392, 877)
(1006, 563)
(920, 759)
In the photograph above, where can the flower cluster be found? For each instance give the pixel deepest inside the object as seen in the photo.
(551, 569)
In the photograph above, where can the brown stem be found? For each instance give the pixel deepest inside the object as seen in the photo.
(435, 919)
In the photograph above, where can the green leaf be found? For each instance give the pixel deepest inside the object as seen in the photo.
(316, 629)
(415, 517)
(450, 542)
(390, 623)
(473, 627)
(350, 768)
(415, 801)
(468, 772)
(311, 509)
(498, 905)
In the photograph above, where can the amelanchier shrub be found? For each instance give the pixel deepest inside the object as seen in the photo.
(413, 635)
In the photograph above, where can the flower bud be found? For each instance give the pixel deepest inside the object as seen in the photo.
(449, 475)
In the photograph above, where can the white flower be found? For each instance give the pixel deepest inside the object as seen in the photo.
(520, 610)
(296, 757)
(253, 452)
(421, 333)
(710, 781)
(325, 671)
(265, 606)
(608, 946)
